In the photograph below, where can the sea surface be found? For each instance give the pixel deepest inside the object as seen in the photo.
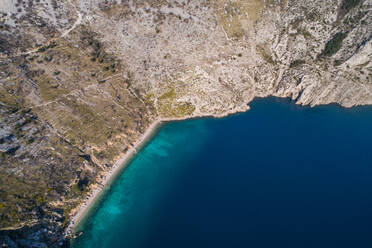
(279, 175)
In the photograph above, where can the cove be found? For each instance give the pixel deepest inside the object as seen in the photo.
(279, 175)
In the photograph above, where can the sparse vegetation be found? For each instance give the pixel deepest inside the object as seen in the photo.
(167, 106)
(47, 89)
(305, 33)
(42, 49)
(265, 53)
(233, 15)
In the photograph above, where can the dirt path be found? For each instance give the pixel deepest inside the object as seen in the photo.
(76, 23)
(64, 34)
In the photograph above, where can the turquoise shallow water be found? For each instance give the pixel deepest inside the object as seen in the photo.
(279, 175)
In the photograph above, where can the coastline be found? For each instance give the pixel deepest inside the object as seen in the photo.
(121, 163)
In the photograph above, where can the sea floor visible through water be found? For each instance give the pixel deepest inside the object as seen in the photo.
(279, 175)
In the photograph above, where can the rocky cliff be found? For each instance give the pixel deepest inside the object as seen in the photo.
(81, 80)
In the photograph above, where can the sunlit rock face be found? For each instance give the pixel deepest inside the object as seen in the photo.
(81, 80)
(218, 55)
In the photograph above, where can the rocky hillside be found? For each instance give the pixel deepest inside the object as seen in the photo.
(81, 80)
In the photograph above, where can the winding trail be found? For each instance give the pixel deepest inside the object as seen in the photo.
(63, 35)
(76, 23)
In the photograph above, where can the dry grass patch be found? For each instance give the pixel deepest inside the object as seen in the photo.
(238, 17)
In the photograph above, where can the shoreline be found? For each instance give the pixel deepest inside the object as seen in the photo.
(121, 163)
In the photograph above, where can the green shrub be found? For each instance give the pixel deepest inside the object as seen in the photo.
(347, 5)
(296, 63)
(334, 44)
(41, 49)
(39, 199)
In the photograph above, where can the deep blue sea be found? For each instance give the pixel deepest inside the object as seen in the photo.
(279, 175)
